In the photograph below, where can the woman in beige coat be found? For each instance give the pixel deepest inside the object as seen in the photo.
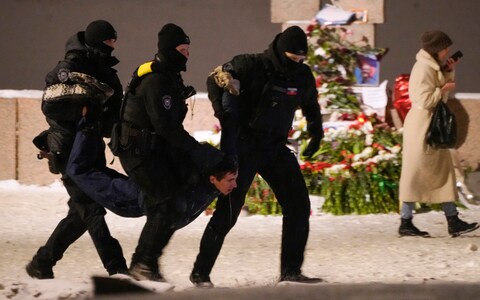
(427, 173)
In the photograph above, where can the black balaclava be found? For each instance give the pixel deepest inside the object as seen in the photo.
(169, 38)
(293, 40)
(97, 32)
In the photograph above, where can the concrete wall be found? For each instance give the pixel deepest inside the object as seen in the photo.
(21, 120)
(8, 139)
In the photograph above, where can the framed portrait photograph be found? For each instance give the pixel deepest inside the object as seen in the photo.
(361, 15)
(367, 70)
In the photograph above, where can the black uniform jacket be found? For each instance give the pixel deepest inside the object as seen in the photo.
(64, 113)
(270, 94)
(156, 103)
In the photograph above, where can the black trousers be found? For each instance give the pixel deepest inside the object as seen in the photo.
(83, 215)
(155, 176)
(279, 167)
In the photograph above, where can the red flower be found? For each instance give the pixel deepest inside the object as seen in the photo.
(361, 118)
(318, 81)
(291, 132)
(355, 126)
(216, 128)
(318, 166)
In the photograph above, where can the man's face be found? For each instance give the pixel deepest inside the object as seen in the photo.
(226, 184)
(184, 49)
(110, 42)
(296, 58)
(366, 70)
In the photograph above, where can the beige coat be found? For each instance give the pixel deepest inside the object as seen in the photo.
(427, 174)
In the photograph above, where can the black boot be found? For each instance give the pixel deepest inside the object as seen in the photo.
(201, 280)
(141, 271)
(457, 227)
(408, 229)
(39, 271)
(299, 278)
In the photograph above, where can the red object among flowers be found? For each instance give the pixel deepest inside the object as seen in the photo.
(401, 99)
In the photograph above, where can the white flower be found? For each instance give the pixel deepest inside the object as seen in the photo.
(369, 139)
(356, 164)
(320, 52)
(395, 149)
(342, 70)
(298, 114)
(367, 152)
(335, 169)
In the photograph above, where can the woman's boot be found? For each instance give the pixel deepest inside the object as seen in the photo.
(457, 227)
(408, 229)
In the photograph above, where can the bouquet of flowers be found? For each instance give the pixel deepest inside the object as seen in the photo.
(357, 168)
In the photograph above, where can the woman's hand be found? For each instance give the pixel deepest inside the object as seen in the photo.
(447, 87)
(450, 64)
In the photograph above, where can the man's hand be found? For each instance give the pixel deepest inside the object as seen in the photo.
(225, 80)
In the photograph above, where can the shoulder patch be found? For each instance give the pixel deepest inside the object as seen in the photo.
(144, 69)
(167, 101)
(63, 75)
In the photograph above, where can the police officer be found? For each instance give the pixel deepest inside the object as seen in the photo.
(269, 87)
(83, 81)
(157, 151)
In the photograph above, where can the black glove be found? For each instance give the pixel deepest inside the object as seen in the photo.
(312, 147)
(206, 157)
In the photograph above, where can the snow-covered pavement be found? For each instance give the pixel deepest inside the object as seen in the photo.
(341, 249)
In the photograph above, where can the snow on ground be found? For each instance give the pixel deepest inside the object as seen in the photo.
(341, 249)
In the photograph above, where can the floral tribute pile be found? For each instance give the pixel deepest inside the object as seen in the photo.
(357, 168)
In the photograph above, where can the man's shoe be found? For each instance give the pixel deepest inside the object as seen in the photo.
(141, 271)
(300, 278)
(408, 229)
(36, 271)
(201, 281)
(456, 227)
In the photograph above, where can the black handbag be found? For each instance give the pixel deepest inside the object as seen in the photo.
(442, 132)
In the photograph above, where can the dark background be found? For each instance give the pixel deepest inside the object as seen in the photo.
(406, 20)
(33, 34)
